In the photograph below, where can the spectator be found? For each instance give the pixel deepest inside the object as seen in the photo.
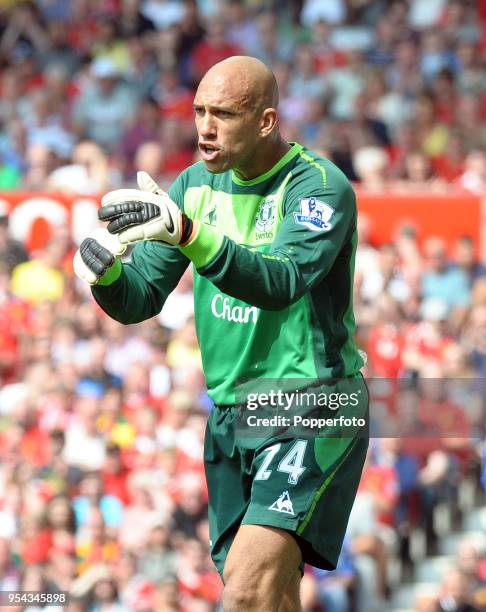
(138, 517)
(89, 174)
(346, 84)
(190, 509)
(10, 575)
(56, 51)
(441, 281)
(131, 21)
(389, 106)
(107, 45)
(450, 165)
(84, 446)
(242, 29)
(454, 593)
(332, 12)
(104, 596)
(115, 475)
(404, 75)
(12, 252)
(304, 75)
(142, 71)
(469, 122)
(143, 129)
(177, 150)
(105, 107)
(405, 143)
(340, 149)
(196, 579)
(371, 164)
(160, 561)
(474, 177)
(41, 161)
(474, 339)
(466, 259)
(212, 49)
(435, 54)
(269, 46)
(175, 100)
(93, 543)
(332, 590)
(432, 134)
(40, 278)
(470, 77)
(91, 495)
(419, 175)
(366, 127)
(148, 158)
(162, 13)
(385, 340)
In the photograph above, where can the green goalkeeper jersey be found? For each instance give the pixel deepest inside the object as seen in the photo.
(273, 273)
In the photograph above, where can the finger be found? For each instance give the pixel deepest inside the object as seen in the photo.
(82, 271)
(119, 196)
(112, 211)
(96, 257)
(124, 221)
(149, 211)
(147, 183)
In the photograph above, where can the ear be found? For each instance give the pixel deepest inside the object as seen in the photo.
(268, 121)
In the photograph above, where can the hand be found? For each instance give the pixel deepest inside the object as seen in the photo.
(145, 214)
(96, 261)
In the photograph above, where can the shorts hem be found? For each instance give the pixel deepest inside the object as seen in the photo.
(271, 521)
(309, 553)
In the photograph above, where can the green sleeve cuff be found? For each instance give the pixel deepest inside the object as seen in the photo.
(112, 274)
(202, 249)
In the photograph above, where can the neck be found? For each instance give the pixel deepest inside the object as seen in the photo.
(263, 159)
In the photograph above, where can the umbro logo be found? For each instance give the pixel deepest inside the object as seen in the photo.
(283, 504)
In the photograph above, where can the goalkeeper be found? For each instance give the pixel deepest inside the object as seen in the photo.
(270, 228)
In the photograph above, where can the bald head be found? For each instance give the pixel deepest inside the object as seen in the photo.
(246, 78)
(235, 109)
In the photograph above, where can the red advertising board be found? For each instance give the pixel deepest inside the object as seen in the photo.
(448, 216)
(34, 215)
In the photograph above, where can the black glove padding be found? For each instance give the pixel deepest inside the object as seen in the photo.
(127, 214)
(96, 257)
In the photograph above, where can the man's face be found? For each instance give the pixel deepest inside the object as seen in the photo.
(227, 123)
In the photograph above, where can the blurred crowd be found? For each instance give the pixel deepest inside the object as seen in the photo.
(102, 488)
(394, 92)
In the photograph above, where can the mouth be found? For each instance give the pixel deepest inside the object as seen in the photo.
(209, 152)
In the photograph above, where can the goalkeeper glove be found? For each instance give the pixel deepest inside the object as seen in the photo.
(96, 261)
(145, 214)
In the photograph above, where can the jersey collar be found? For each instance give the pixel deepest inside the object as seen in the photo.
(295, 150)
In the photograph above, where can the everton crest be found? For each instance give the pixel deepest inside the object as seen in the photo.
(265, 218)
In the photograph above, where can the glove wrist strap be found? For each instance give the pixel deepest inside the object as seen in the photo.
(187, 227)
(112, 274)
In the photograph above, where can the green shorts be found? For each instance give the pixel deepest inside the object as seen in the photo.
(305, 485)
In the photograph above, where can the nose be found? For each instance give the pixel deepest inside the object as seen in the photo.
(207, 126)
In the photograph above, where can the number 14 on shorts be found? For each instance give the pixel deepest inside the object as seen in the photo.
(291, 463)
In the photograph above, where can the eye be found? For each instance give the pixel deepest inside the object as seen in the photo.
(224, 114)
(199, 110)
